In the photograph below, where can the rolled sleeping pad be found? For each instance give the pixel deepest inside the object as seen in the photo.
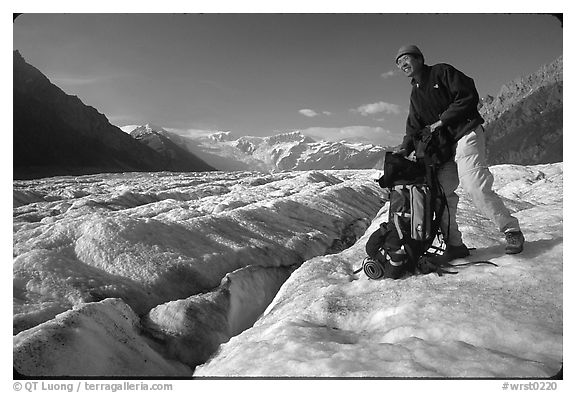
(373, 268)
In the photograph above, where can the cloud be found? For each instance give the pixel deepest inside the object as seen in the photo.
(308, 112)
(83, 80)
(388, 74)
(367, 134)
(75, 81)
(378, 107)
(312, 113)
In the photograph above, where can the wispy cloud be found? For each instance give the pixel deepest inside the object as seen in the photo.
(387, 74)
(74, 81)
(308, 112)
(378, 107)
(88, 78)
(312, 113)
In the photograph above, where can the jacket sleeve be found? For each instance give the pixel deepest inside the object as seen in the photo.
(464, 97)
(413, 126)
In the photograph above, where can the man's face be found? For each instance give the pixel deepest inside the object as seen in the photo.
(410, 65)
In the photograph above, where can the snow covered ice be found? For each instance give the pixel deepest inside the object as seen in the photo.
(483, 322)
(176, 274)
(158, 239)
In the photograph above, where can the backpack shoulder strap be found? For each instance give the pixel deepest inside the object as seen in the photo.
(440, 204)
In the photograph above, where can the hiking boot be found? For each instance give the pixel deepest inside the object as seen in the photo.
(455, 252)
(514, 242)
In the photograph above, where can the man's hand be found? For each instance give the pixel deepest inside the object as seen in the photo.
(434, 126)
(398, 150)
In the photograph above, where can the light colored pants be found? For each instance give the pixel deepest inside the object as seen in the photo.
(470, 169)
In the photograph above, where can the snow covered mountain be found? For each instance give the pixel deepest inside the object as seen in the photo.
(282, 152)
(158, 140)
(252, 274)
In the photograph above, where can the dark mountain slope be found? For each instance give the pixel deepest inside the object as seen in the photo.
(56, 134)
(524, 121)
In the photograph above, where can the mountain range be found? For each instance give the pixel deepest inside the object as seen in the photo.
(282, 152)
(57, 134)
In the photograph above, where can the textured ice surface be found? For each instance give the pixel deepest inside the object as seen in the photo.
(94, 339)
(149, 274)
(151, 239)
(485, 321)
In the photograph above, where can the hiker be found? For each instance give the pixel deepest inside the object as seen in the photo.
(442, 96)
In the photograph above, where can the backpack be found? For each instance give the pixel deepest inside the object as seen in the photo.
(417, 203)
(406, 242)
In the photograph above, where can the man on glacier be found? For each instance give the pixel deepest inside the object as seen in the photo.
(442, 96)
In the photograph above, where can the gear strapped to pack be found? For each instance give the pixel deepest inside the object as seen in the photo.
(416, 207)
(411, 240)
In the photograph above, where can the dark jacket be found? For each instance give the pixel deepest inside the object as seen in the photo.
(446, 94)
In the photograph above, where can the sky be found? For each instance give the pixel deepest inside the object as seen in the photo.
(330, 75)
